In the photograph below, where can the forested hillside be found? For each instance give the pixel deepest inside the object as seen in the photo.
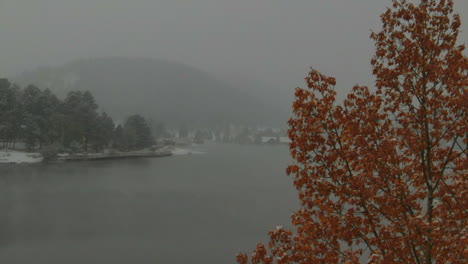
(165, 91)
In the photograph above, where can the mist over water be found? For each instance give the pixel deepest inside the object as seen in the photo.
(200, 208)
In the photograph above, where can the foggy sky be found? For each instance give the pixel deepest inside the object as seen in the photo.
(268, 40)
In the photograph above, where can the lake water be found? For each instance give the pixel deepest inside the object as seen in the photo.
(200, 208)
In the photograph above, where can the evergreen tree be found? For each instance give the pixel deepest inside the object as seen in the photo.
(138, 133)
(49, 104)
(104, 130)
(33, 119)
(119, 138)
(80, 118)
(10, 113)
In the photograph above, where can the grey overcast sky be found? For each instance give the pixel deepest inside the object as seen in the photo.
(270, 40)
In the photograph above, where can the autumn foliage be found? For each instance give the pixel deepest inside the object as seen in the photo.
(382, 177)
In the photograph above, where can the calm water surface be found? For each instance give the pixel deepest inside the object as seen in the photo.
(200, 208)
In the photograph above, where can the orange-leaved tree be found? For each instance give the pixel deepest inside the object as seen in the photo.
(382, 177)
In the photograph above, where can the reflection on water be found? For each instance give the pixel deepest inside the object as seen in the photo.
(181, 209)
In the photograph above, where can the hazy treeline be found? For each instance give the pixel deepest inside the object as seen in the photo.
(165, 91)
(38, 118)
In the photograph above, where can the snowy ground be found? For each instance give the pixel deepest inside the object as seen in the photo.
(184, 151)
(13, 156)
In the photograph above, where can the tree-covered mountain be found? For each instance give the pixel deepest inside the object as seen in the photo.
(164, 91)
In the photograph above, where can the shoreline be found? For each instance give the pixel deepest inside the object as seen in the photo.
(18, 157)
(8, 156)
(115, 156)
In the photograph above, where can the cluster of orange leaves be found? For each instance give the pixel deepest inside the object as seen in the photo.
(382, 177)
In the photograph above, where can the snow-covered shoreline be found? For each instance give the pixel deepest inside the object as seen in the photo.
(183, 151)
(14, 156)
(18, 157)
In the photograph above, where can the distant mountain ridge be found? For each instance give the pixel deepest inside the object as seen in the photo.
(164, 91)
